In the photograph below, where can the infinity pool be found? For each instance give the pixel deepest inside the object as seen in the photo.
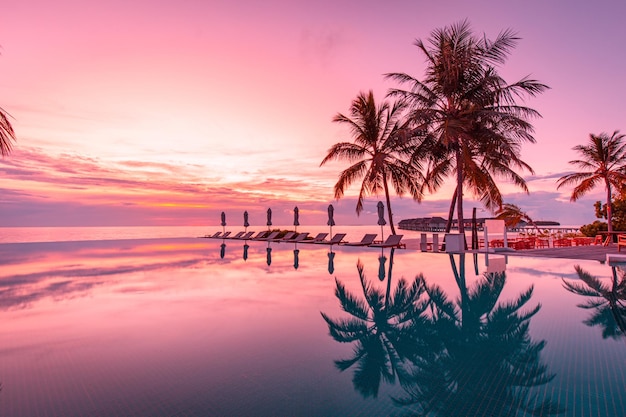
(199, 327)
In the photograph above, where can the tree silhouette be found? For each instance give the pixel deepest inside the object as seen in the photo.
(380, 153)
(607, 301)
(382, 327)
(486, 363)
(469, 112)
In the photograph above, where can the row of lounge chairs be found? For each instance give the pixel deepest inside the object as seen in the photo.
(293, 237)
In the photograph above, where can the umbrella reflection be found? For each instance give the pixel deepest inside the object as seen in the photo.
(245, 251)
(269, 256)
(222, 250)
(331, 262)
(296, 259)
(381, 266)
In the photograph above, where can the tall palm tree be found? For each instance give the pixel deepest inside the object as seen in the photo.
(7, 134)
(470, 111)
(603, 162)
(380, 152)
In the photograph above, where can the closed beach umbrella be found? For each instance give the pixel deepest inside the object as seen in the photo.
(245, 251)
(381, 217)
(269, 218)
(381, 213)
(269, 256)
(296, 259)
(222, 250)
(223, 221)
(296, 217)
(331, 262)
(331, 219)
(245, 220)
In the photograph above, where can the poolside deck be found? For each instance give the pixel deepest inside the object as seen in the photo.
(589, 252)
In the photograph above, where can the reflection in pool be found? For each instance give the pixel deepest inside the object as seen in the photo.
(197, 327)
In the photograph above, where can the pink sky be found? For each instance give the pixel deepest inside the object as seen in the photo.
(167, 113)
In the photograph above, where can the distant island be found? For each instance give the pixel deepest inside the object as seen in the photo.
(438, 224)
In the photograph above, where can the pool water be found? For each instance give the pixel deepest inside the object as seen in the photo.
(200, 327)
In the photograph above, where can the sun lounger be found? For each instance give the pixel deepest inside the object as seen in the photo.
(237, 236)
(288, 236)
(224, 236)
(271, 236)
(393, 241)
(367, 240)
(214, 236)
(300, 237)
(245, 236)
(318, 238)
(260, 235)
(334, 241)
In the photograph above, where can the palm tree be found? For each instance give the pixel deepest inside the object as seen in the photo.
(380, 153)
(7, 134)
(603, 161)
(470, 111)
(513, 215)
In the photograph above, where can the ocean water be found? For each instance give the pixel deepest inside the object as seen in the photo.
(181, 326)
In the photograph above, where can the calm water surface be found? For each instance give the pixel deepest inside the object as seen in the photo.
(199, 327)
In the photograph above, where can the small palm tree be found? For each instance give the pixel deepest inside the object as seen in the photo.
(380, 153)
(7, 134)
(513, 215)
(603, 162)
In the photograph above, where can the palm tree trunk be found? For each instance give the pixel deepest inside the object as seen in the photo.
(451, 212)
(609, 214)
(393, 230)
(459, 191)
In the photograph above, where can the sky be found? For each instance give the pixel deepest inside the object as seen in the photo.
(169, 112)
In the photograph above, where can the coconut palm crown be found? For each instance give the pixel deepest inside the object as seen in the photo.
(380, 153)
(473, 115)
(603, 161)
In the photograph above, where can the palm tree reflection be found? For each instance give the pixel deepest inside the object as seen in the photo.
(381, 325)
(465, 357)
(485, 363)
(608, 301)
